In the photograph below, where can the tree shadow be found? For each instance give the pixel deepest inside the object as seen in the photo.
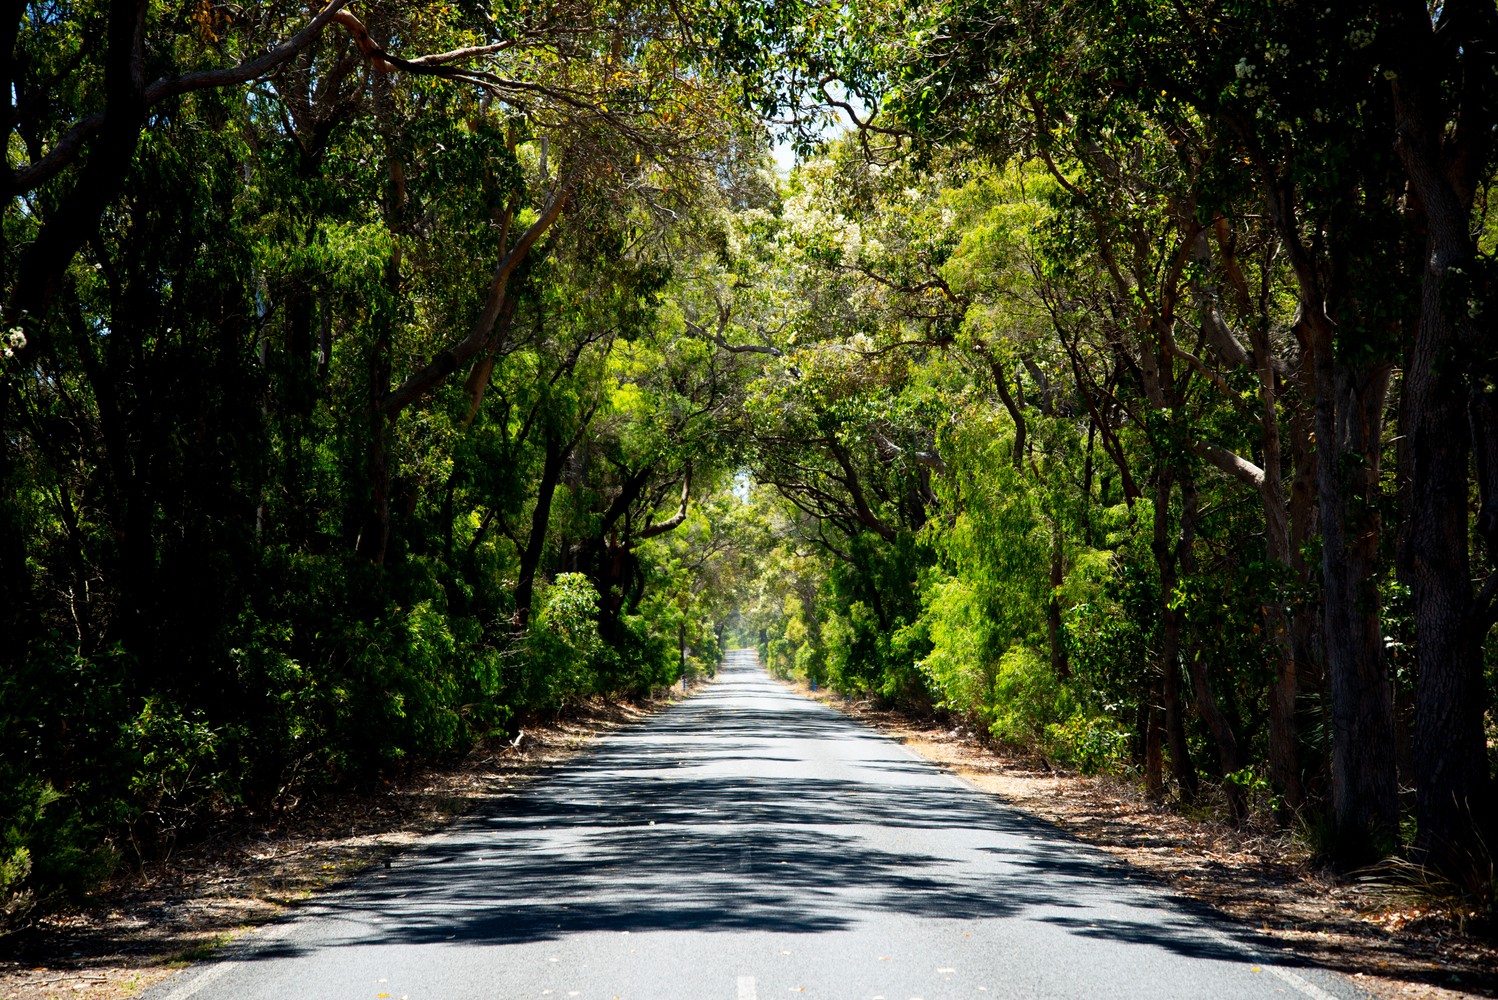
(657, 829)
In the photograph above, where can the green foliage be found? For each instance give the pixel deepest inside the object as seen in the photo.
(1090, 744)
(962, 665)
(176, 772)
(292, 492)
(1027, 697)
(564, 646)
(47, 848)
(234, 573)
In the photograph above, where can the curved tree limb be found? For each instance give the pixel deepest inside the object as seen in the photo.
(67, 148)
(1233, 464)
(717, 338)
(675, 520)
(448, 361)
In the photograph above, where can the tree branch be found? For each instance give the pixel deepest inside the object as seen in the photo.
(447, 362)
(675, 520)
(66, 149)
(1233, 464)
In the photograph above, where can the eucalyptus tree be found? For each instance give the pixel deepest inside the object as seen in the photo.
(1443, 85)
(302, 309)
(1291, 114)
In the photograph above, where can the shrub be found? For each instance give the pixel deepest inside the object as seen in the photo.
(45, 848)
(176, 775)
(1027, 697)
(563, 643)
(1092, 745)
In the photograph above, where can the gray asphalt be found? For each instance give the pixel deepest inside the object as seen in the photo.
(750, 844)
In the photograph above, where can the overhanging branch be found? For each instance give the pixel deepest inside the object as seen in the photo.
(447, 362)
(674, 521)
(66, 149)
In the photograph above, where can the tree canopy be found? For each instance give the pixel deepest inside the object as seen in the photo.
(1119, 378)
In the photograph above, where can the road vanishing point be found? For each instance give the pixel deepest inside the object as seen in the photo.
(749, 844)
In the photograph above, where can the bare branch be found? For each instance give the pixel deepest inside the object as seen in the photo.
(1233, 464)
(717, 338)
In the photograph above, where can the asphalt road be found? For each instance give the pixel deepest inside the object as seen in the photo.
(749, 844)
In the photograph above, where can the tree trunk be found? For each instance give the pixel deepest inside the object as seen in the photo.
(1444, 119)
(1349, 420)
(1453, 791)
(1306, 632)
(1181, 766)
(1284, 763)
(535, 545)
(1154, 765)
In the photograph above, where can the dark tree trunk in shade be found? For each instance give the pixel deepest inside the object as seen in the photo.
(1446, 109)
(535, 545)
(1306, 636)
(1349, 415)
(1183, 769)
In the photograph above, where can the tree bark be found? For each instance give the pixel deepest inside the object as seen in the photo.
(1284, 763)
(1448, 413)
(535, 546)
(1349, 420)
(450, 359)
(1182, 768)
(1306, 631)
(1016, 414)
(1154, 768)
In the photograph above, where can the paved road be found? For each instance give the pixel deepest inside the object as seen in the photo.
(749, 844)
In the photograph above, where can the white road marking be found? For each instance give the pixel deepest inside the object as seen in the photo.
(1302, 986)
(207, 975)
(746, 988)
(195, 985)
(1309, 989)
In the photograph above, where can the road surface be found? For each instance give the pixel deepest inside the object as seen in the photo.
(750, 844)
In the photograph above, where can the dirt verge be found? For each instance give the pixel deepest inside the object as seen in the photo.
(147, 925)
(1392, 943)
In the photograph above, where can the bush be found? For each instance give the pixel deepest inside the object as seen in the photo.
(563, 644)
(959, 668)
(46, 849)
(1089, 744)
(176, 775)
(1027, 698)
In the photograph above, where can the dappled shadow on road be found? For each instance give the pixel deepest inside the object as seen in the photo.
(658, 831)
